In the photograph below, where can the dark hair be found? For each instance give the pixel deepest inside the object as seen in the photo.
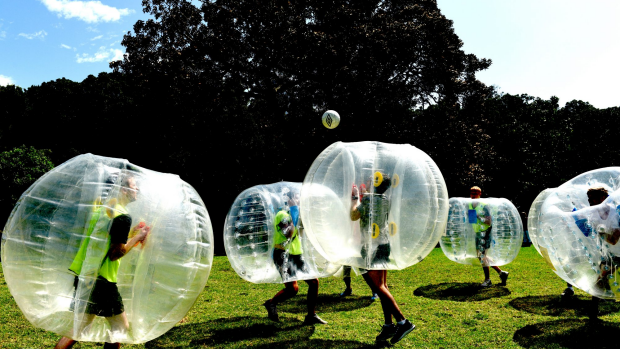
(385, 184)
(597, 192)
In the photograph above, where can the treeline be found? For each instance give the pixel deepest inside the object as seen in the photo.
(230, 94)
(511, 146)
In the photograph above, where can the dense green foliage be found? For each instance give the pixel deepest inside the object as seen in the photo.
(439, 296)
(19, 168)
(230, 94)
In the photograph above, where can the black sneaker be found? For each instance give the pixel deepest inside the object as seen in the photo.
(314, 320)
(347, 292)
(387, 332)
(402, 331)
(272, 311)
(568, 292)
(486, 283)
(503, 276)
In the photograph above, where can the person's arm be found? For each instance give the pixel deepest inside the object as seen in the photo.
(300, 228)
(119, 231)
(355, 203)
(287, 229)
(613, 238)
(486, 218)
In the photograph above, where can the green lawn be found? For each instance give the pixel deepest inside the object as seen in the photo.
(440, 297)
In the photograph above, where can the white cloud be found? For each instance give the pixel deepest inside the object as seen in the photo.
(38, 35)
(2, 35)
(96, 38)
(91, 29)
(118, 55)
(87, 11)
(67, 47)
(5, 80)
(102, 55)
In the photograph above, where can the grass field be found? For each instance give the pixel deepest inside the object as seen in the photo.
(440, 297)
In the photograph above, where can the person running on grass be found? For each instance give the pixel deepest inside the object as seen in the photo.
(373, 211)
(287, 256)
(482, 225)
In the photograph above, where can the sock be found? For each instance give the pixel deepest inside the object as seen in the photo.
(401, 322)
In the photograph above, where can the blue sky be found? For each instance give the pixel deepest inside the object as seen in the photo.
(566, 48)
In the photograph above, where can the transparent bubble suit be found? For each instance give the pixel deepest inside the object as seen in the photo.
(249, 233)
(572, 236)
(466, 243)
(410, 216)
(158, 280)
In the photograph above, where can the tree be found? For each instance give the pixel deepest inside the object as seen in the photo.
(363, 58)
(12, 111)
(247, 81)
(19, 168)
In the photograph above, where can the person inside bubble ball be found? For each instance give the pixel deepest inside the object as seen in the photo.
(104, 299)
(346, 269)
(373, 211)
(604, 223)
(287, 256)
(480, 219)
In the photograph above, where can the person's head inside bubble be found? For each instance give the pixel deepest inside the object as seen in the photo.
(597, 195)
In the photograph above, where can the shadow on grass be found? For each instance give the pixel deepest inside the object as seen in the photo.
(458, 292)
(555, 306)
(247, 331)
(325, 304)
(569, 333)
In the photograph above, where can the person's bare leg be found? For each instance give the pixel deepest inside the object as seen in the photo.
(374, 278)
(118, 322)
(385, 279)
(290, 290)
(65, 343)
(487, 275)
(313, 294)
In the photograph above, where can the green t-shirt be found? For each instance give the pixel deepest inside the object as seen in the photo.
(294, 247)
(481, 211)
(100, 218)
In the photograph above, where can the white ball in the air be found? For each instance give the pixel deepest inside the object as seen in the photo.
(331, 119)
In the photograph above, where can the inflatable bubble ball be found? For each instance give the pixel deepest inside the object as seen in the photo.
(265, 239)
(575, 227)
(374, 205)
(101, 250)
(486, 232)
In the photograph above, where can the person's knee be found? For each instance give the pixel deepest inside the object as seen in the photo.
(313, 282)
(292, 288)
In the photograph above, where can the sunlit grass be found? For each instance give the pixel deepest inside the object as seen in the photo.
(439, 296)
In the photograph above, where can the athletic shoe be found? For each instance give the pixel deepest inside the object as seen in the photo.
(402, 331)
(272, 311)
(387, 332)
(486, 283)
(347, 292)
(374, 297)
(568, 292)
(503, 276)
(314, 320)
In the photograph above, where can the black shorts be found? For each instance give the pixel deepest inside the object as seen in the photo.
(295, 262)
(483, 242)
(104, 299)
(381, 255)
